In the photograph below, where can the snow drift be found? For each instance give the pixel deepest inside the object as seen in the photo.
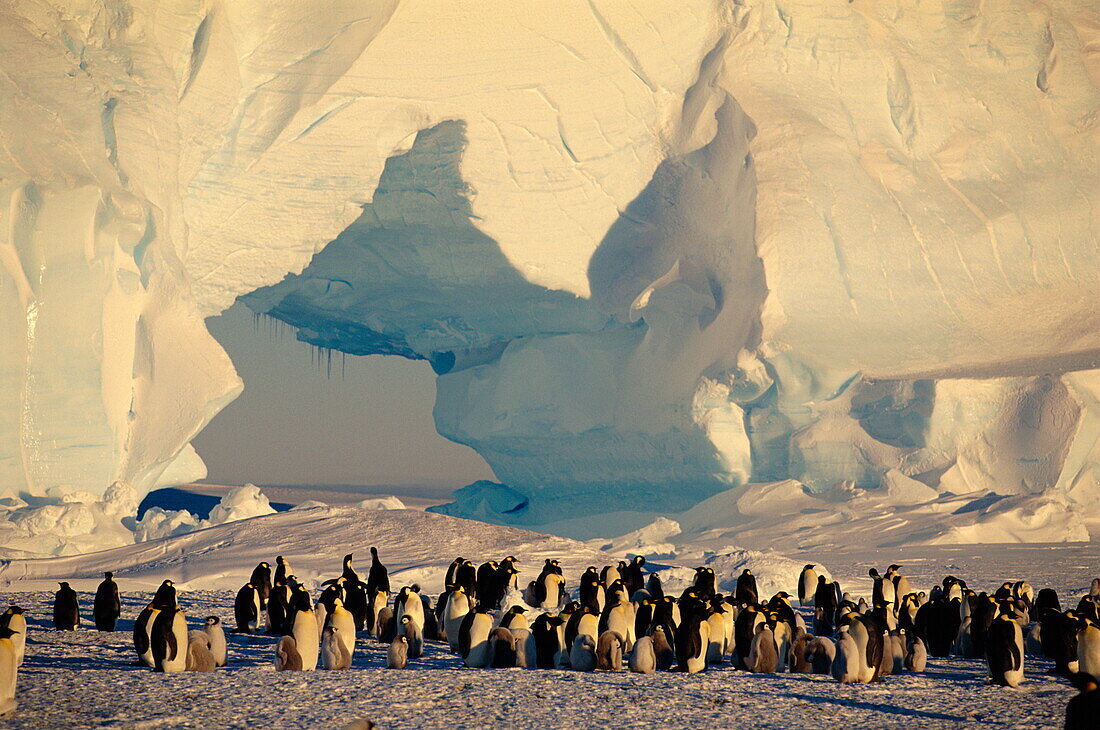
(655, 250)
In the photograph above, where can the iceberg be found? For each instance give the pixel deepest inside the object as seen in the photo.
(655, 251)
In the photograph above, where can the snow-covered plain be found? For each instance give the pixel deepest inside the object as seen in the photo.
(102, 687)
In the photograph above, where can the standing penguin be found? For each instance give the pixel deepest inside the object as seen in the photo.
(582, 655)
(9, 671)
(746, 592)
(692, 642)
(261, 578)
(14, 619)
(643, 660)
(633, 577)
(1088, 648)
(458, 605)
(763, 653)
(526, 648)
(66, 612)
(549, 590)
(397, 657)
(473, 640)
(286, 655)
(412, 631)
(1005, 651)
(334, 651)
(820, 652)
(846, 662)
(169, 641)
(306, 636)
(549, 634)
(199, 656)
(609, 651)
(378, 579)
(246, 609)
(282, 569)
(107, 606)
(502, 649)
(341, 619)
(514, 618)
(916, 654)
(216, 635)
(807, 584)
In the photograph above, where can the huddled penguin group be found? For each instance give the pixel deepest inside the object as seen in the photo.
(618, 616)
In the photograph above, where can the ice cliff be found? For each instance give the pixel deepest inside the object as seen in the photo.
(655, 250)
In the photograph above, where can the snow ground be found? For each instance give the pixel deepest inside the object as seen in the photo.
(210, 564)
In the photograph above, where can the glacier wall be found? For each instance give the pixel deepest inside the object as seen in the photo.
(654, 250)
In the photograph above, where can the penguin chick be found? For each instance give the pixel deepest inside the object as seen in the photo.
(845, 667)
(916, 654)
(582, 656)
(763, 652)
(643, 660)
(216, 634)
(526, 649)
(398, 655)
(502, 649)
(609, 651)
(410, 629)
(334, 651)
(199, 656)
(662, 649)
(820, 651)
(286, 655)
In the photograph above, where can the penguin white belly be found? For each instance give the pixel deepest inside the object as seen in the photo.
(863, 671)
(18, 623)
(178, 661)
(1088, 650)
(480, 629)
(146, 656)
(458, 605)
(621, 620)
(783, 645)
(9, 670)
(320, 611)
(344, 623)
(698, 662)
(845, 667)
(412, 607)
(589, 624)
(716, 649)
(217, 644)
(305, 636)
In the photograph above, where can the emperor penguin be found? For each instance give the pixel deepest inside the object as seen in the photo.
(1005, 651)
(744, 630)
(169, 641)
(763, 653)
(692, 642)
(9, 670)
(306, 637)
(278, 609)
(526, 649)
(1084, 708)
(582, 655)
(199, 656)
(502, 649)
(166, 596)
(514, 618)
(610, 573)
(591, 589)
(916, 654)
(334, 650)
(549, 634)
(14, 619)
(548, 590)
(846, 663)
(662, 649)
(408, 603)
(386, 626)
(282, 570)
(1088, 648)
(397, 656)
(643, 660)
(246, 609)
(746, 591)
(721, 632)
(618, 616)
(66, 612)
(107, 606)
(458, 605)
(821, 651)
(869, 638)
(378, 578)
(799, 662)
(609, 651)
(287, 658)
(581, 622)
(473, 641)
(705, 583)
(212, 627)
(376, 601)
(411, 630)
(807, 584)
(341, 619)
(261, 578)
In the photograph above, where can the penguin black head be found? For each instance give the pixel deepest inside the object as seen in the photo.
(63, 585)
(821, 580)
(873, 572)
(895, 567)
(213, 620)
(1084, 682)
(108, 575)
(347, 559)
(746, 571)
(279, 559)
(638, 560)
(374, 552)
(265, 564)
(517, 610)
(808, 566)
(406, 619)
(15, 610)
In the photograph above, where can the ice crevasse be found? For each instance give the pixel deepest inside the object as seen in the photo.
(657, 252)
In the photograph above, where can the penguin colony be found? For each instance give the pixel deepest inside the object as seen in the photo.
(620, 615)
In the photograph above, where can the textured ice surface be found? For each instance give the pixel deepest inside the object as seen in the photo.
(655, 250)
